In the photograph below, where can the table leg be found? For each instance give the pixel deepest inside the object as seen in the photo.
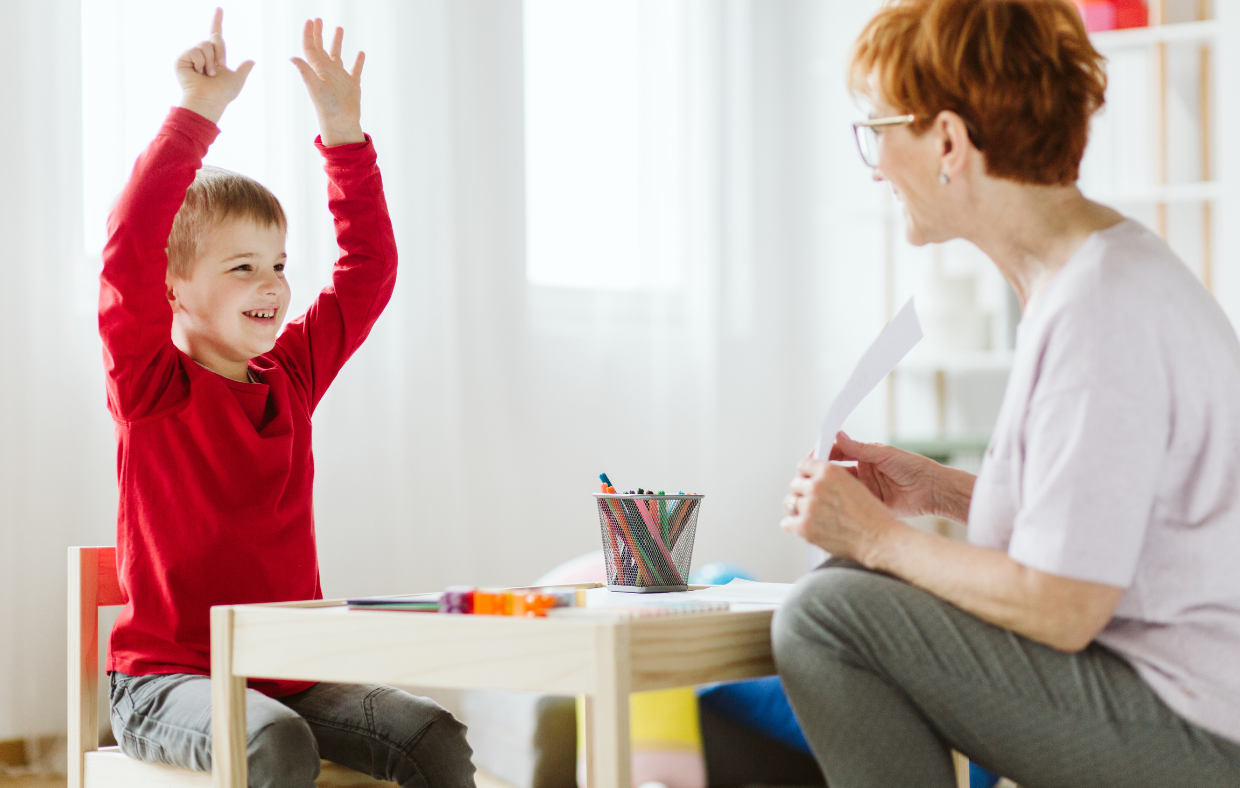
(228, 745)
(607, 711)
(591, 760)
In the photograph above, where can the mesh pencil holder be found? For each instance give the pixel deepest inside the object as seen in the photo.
(647, 540)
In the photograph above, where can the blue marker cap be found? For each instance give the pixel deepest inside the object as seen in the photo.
(602, 477)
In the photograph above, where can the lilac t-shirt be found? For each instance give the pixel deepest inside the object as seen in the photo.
(1116, 459)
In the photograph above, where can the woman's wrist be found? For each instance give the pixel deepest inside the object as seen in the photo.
(884, 545)
(953, 493)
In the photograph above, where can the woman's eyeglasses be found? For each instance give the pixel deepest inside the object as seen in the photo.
(866, 132)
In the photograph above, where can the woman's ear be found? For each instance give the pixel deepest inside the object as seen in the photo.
(955, 145)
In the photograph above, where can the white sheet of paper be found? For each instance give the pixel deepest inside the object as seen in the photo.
(892, 345)
(740, 594)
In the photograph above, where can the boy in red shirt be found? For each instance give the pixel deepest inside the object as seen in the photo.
(212, 415)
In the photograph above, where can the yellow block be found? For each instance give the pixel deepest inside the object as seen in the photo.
(659, 719)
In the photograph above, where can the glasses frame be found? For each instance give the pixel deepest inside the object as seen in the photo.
(877, 123)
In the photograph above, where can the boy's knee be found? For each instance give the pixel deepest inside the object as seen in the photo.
(430, 745)
(283, 752)
(443, 750)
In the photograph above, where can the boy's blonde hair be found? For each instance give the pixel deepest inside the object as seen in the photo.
(215, 196)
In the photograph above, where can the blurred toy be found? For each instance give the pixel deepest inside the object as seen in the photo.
(759, 705)
(719, 573)
(588, 568)
(666, 739)
(1100, 15)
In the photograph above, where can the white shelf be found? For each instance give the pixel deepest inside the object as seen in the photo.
(963, 361)
(943, 447)
(1180, 32)
(1202, 191)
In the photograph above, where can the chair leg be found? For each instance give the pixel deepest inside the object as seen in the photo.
(962, 769)
(228, 745)
(83, 659)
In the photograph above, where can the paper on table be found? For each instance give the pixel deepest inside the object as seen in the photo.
(893, 344)
(746, 592)
(741, 595)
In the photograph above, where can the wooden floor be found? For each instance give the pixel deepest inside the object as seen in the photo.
(31, 781)
(482, 779)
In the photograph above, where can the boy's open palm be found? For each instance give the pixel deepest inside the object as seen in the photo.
(207, 84)
(336, 93)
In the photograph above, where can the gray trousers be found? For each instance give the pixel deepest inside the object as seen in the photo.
(380, 731)
(886, 678)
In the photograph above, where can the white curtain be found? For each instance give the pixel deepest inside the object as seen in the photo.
(55, 439)
(463, 442)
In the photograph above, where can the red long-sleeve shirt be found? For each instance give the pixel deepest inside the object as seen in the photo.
(216, 476)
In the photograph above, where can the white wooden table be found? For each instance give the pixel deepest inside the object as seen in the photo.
(604, 660)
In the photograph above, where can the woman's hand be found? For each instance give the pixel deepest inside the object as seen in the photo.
(335, 91)
(907, 484)
(827, 506)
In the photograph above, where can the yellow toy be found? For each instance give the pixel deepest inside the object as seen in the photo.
(666, 739)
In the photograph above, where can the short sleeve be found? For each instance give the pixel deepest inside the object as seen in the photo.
(1094, 441)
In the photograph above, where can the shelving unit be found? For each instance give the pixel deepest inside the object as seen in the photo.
(1180, 32)
(1162, 193)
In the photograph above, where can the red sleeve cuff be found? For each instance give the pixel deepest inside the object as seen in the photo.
(192, 125)
(350, 154)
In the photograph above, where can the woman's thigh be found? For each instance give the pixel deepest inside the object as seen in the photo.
(387, 733)
(1016, 707)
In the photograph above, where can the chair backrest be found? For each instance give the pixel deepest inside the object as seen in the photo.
(93, 583)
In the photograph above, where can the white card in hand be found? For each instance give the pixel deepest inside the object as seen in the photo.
(892, 345)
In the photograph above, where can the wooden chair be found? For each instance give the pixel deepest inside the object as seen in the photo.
(93, 584)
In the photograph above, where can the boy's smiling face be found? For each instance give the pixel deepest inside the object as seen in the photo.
(231, 307)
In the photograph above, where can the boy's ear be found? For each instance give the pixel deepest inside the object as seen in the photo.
(170, 292)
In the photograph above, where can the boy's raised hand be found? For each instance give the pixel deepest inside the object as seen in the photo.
(336, 93)
(207, 84)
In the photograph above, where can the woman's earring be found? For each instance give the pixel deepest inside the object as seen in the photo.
(943, 179)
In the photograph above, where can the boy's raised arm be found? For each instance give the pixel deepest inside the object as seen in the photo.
(135, 319)
(316, 345)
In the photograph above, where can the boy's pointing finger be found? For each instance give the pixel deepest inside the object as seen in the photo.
(207, 50)
(218, 46)
(217, 23)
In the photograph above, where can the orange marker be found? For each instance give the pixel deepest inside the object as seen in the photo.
(487, 603)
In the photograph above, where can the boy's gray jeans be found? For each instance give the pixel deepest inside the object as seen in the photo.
(885, 678)
(380, 731)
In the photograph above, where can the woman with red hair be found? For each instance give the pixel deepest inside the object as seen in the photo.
(1088, 633)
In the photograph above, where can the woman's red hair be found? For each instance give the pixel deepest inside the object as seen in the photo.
(1021, 73)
